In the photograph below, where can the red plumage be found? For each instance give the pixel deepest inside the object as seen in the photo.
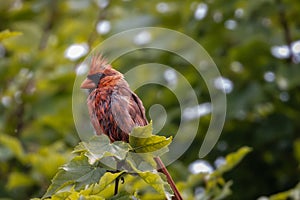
(113, 108)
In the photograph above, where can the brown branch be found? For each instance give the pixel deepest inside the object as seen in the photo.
(286, 29)
(102, 14)
(49, 25)
(15, 119)
(162, 169)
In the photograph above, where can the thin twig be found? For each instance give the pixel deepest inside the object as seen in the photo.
(286, 29)
(102, 15)
(116, 185)
(49, 25)
(120, 164)
(163, 169)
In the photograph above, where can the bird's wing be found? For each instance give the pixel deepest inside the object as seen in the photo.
(137, 110)
(127, 109)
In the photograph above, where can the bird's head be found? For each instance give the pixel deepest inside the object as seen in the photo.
(99, 69)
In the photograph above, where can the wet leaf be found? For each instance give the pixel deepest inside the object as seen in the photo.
(107, 179)
(143, 141)
(77, 172)
(100, 146)
(155, 180)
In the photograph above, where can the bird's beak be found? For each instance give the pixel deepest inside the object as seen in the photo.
(88, 84)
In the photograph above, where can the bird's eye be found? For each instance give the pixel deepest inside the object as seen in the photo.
(95, 77)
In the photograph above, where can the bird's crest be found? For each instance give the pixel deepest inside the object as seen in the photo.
(98, 64)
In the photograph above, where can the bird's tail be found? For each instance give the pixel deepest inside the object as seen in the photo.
(161, 168)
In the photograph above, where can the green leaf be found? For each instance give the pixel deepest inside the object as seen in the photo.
(107, 179)
(122, 196)
(144, 166)
(150, 144)
(224, 191)
(72, 194)
(142, 140)
(142, 131)
(77, 172)
(18, 179)
(7, 34)
(99, 147)
(297, 149)
(79, 148)
(54, 154)
(155, 180)
(290, 194)
(232, 160)
(142, 162)
(93, 197)
(5, 154)
(14, 145)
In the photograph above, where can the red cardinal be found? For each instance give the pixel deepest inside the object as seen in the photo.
(114, 109)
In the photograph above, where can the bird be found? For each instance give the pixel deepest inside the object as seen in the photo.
(114, 109)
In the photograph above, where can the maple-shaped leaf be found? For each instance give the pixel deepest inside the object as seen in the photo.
(78, 173)
(100, 147)
(142, 140)
(107, 179)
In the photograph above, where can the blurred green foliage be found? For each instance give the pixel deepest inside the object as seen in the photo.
(37, 131)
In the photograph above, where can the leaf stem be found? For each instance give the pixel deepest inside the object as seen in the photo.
(119, 166)
(116, 185)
